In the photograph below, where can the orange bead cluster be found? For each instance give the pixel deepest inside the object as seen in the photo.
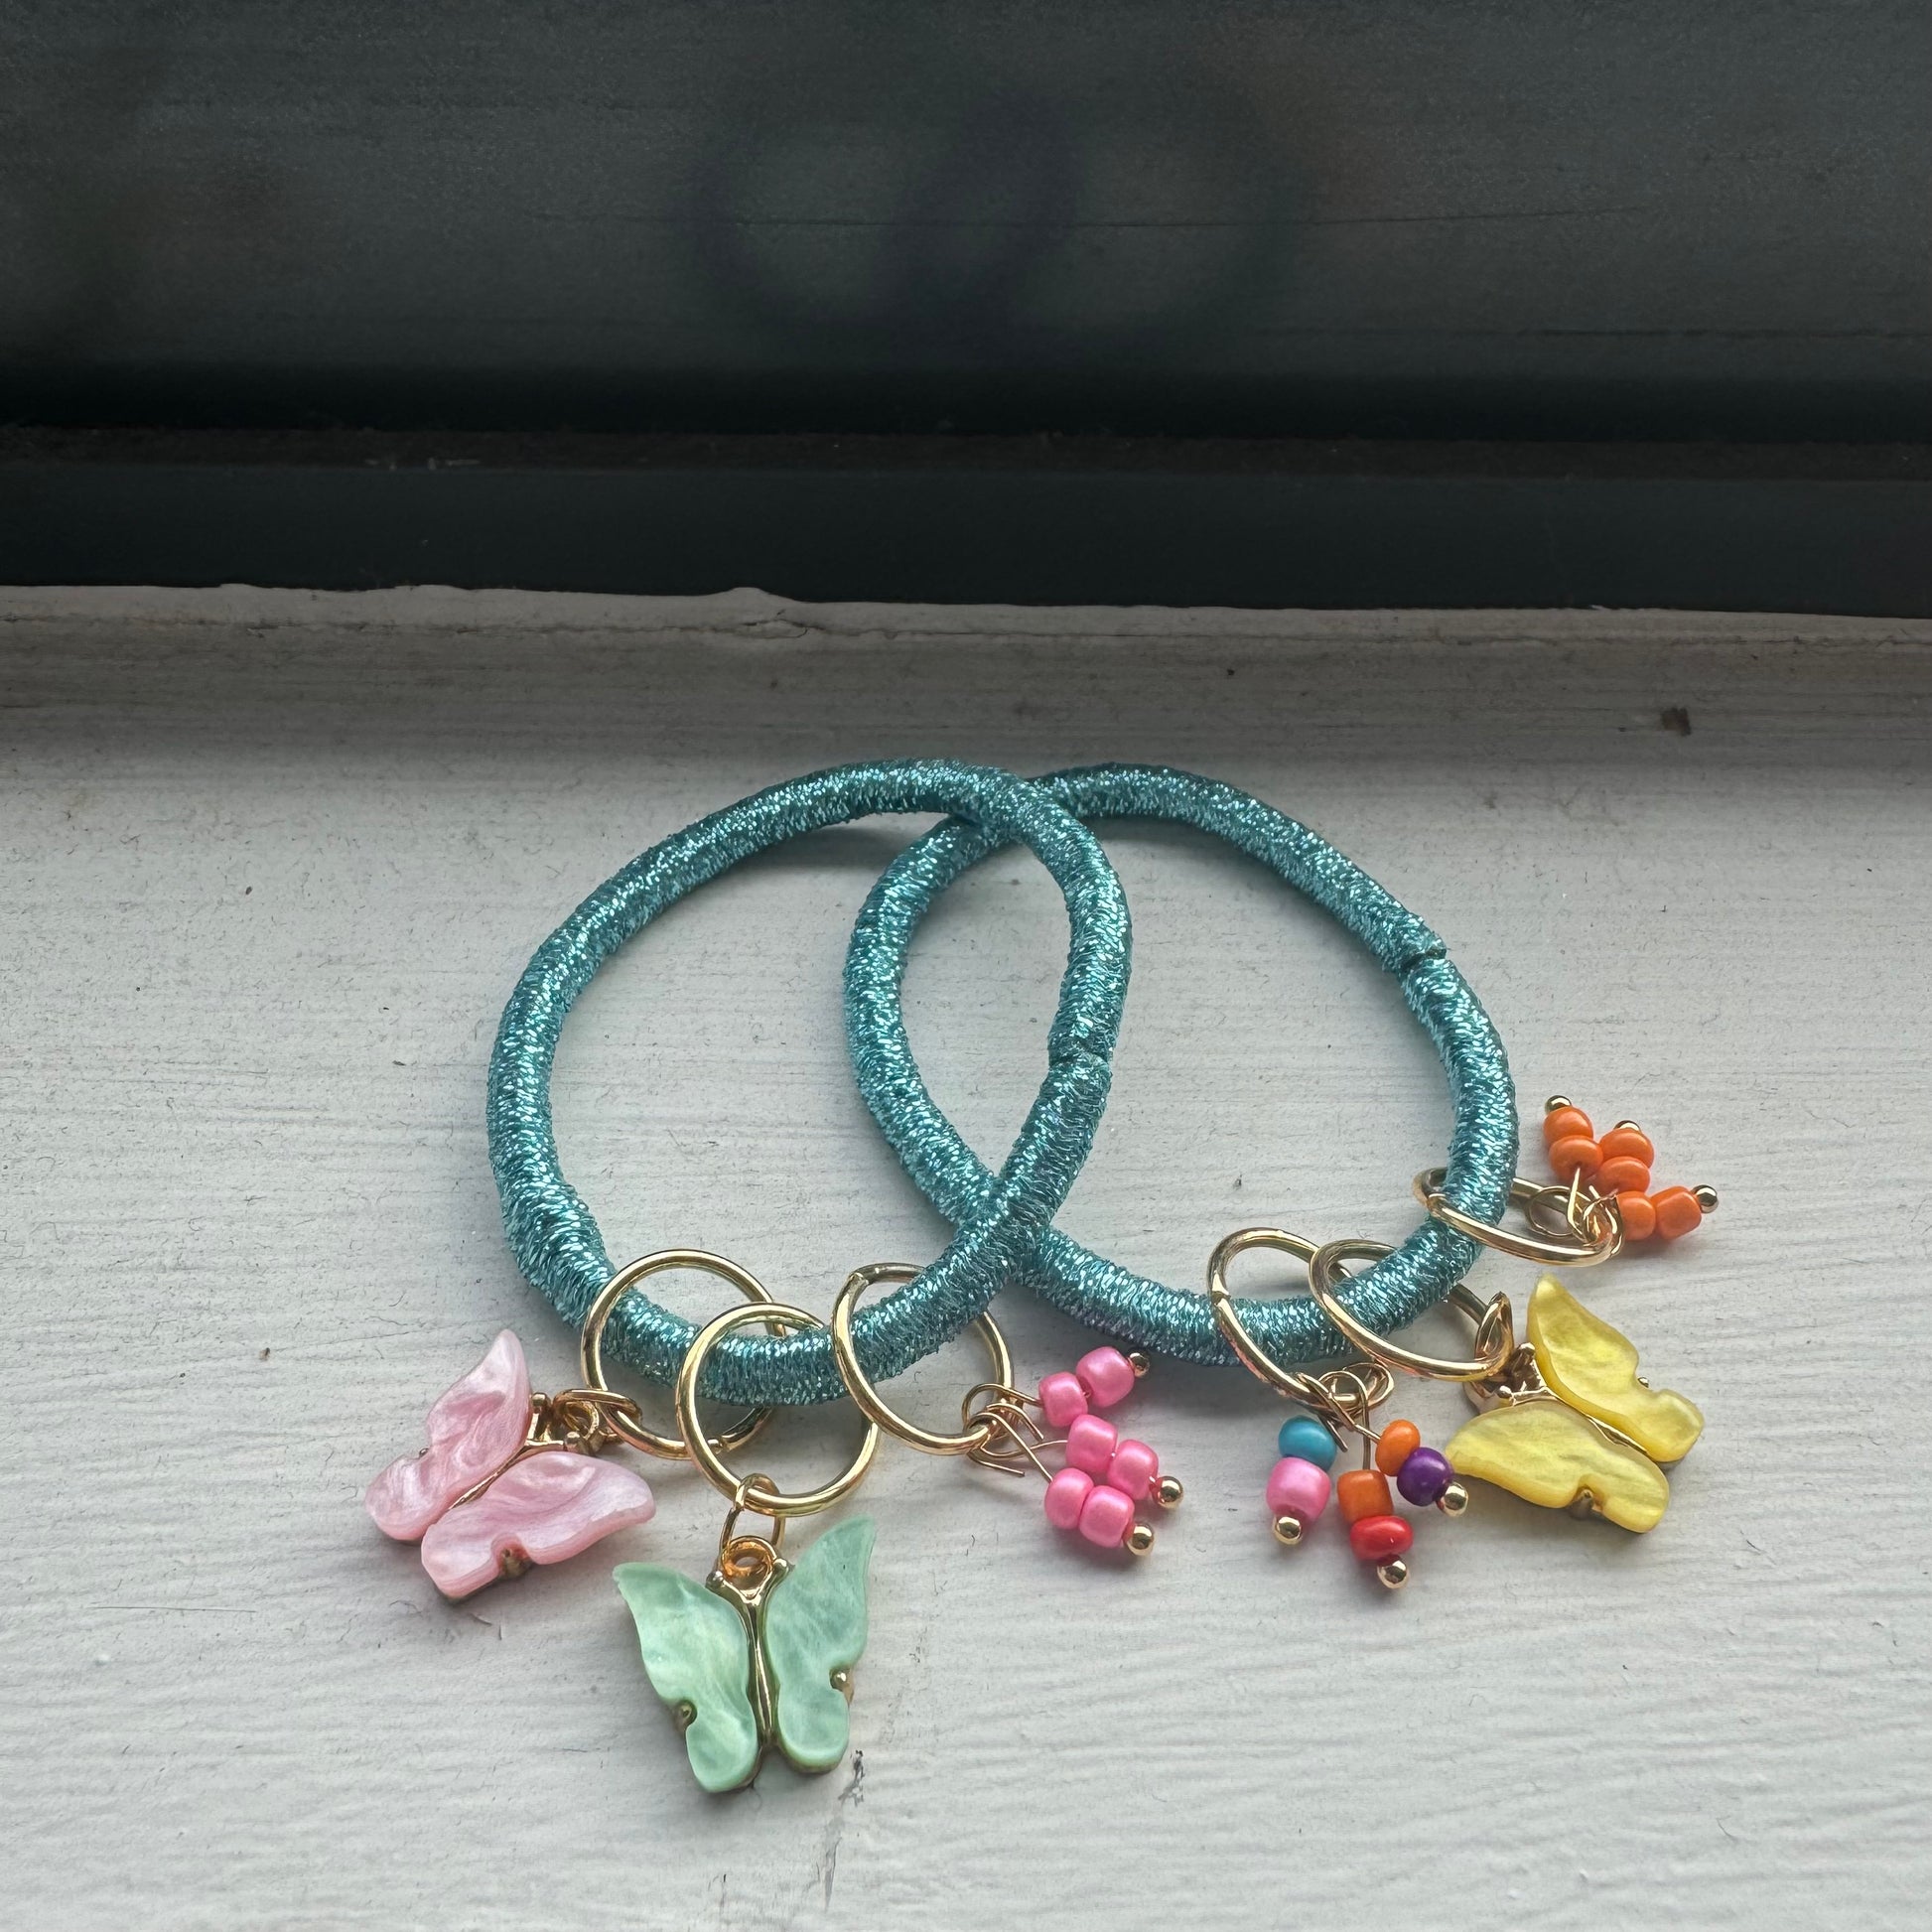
(1617, 1164)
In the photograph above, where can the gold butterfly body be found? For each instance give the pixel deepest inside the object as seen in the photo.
(1575, 1425)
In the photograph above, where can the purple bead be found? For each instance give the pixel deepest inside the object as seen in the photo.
(1423, 1475)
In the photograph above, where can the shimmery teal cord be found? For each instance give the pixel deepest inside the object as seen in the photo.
(1482, 1145)
(556, 1240)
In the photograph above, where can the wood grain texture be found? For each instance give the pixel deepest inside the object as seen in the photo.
(273, 862)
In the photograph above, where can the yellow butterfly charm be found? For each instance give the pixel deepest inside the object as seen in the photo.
(1575, 1425)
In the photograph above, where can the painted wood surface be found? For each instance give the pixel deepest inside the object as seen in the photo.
(273, 863)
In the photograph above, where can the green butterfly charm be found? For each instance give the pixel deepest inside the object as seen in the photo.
(759, 1654)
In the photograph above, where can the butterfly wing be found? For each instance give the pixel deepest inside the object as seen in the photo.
(815, 1624)
(474, 1428)
(1595, 1369)
(698, 1655)
(542, 1509)
(1547, 1454)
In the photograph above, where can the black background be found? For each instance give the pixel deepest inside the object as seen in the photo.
(1471, 301)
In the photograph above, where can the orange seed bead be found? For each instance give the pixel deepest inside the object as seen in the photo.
(1563, 1122)
(1363, 1492)
(1400, 1441)
(1678, 1212)
(1622, 1174)
(1639, 1218)
(1633, 1141)
(1575, 1153)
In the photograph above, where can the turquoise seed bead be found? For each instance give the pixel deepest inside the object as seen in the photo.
(1302, 1436)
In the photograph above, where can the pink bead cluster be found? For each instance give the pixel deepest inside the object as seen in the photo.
(1106, 1474)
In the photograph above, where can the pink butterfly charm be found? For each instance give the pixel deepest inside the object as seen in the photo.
(496, 1491)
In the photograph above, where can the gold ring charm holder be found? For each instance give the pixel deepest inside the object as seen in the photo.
(759, 1657)
(1592, 1221)
(864, 1391)
(1493, 1343)
(590, 1349)
(1371, 1381)
(753, 1492)
(1005, 1429)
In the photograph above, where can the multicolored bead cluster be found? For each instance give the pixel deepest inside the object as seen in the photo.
(1298, 1487)
(1618, 1165)
(1106, 1473)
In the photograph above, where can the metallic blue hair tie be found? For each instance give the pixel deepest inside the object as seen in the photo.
(557, 1243)
(1483, 1146)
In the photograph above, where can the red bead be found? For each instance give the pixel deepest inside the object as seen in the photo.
(1375, 1539)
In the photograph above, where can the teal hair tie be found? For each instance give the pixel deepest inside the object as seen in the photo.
(1482, 1146)
(556, 1240)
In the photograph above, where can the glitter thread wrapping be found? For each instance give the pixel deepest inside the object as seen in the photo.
(1482, 1145)
(552, 1232)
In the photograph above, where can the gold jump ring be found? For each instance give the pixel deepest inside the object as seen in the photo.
(590, 1347)
(1494, 1320)
(862, 1389)
(1306, 1389)
(1525, 1194)
(1324, 1271)
(746, 1492)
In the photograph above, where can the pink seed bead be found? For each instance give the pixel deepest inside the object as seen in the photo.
(1296, 1488)
(1132, 1469)
(1106, 1516)
(1090, 1445)
(1106, 1375)
(1065, 1495)
(1062, 1398)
